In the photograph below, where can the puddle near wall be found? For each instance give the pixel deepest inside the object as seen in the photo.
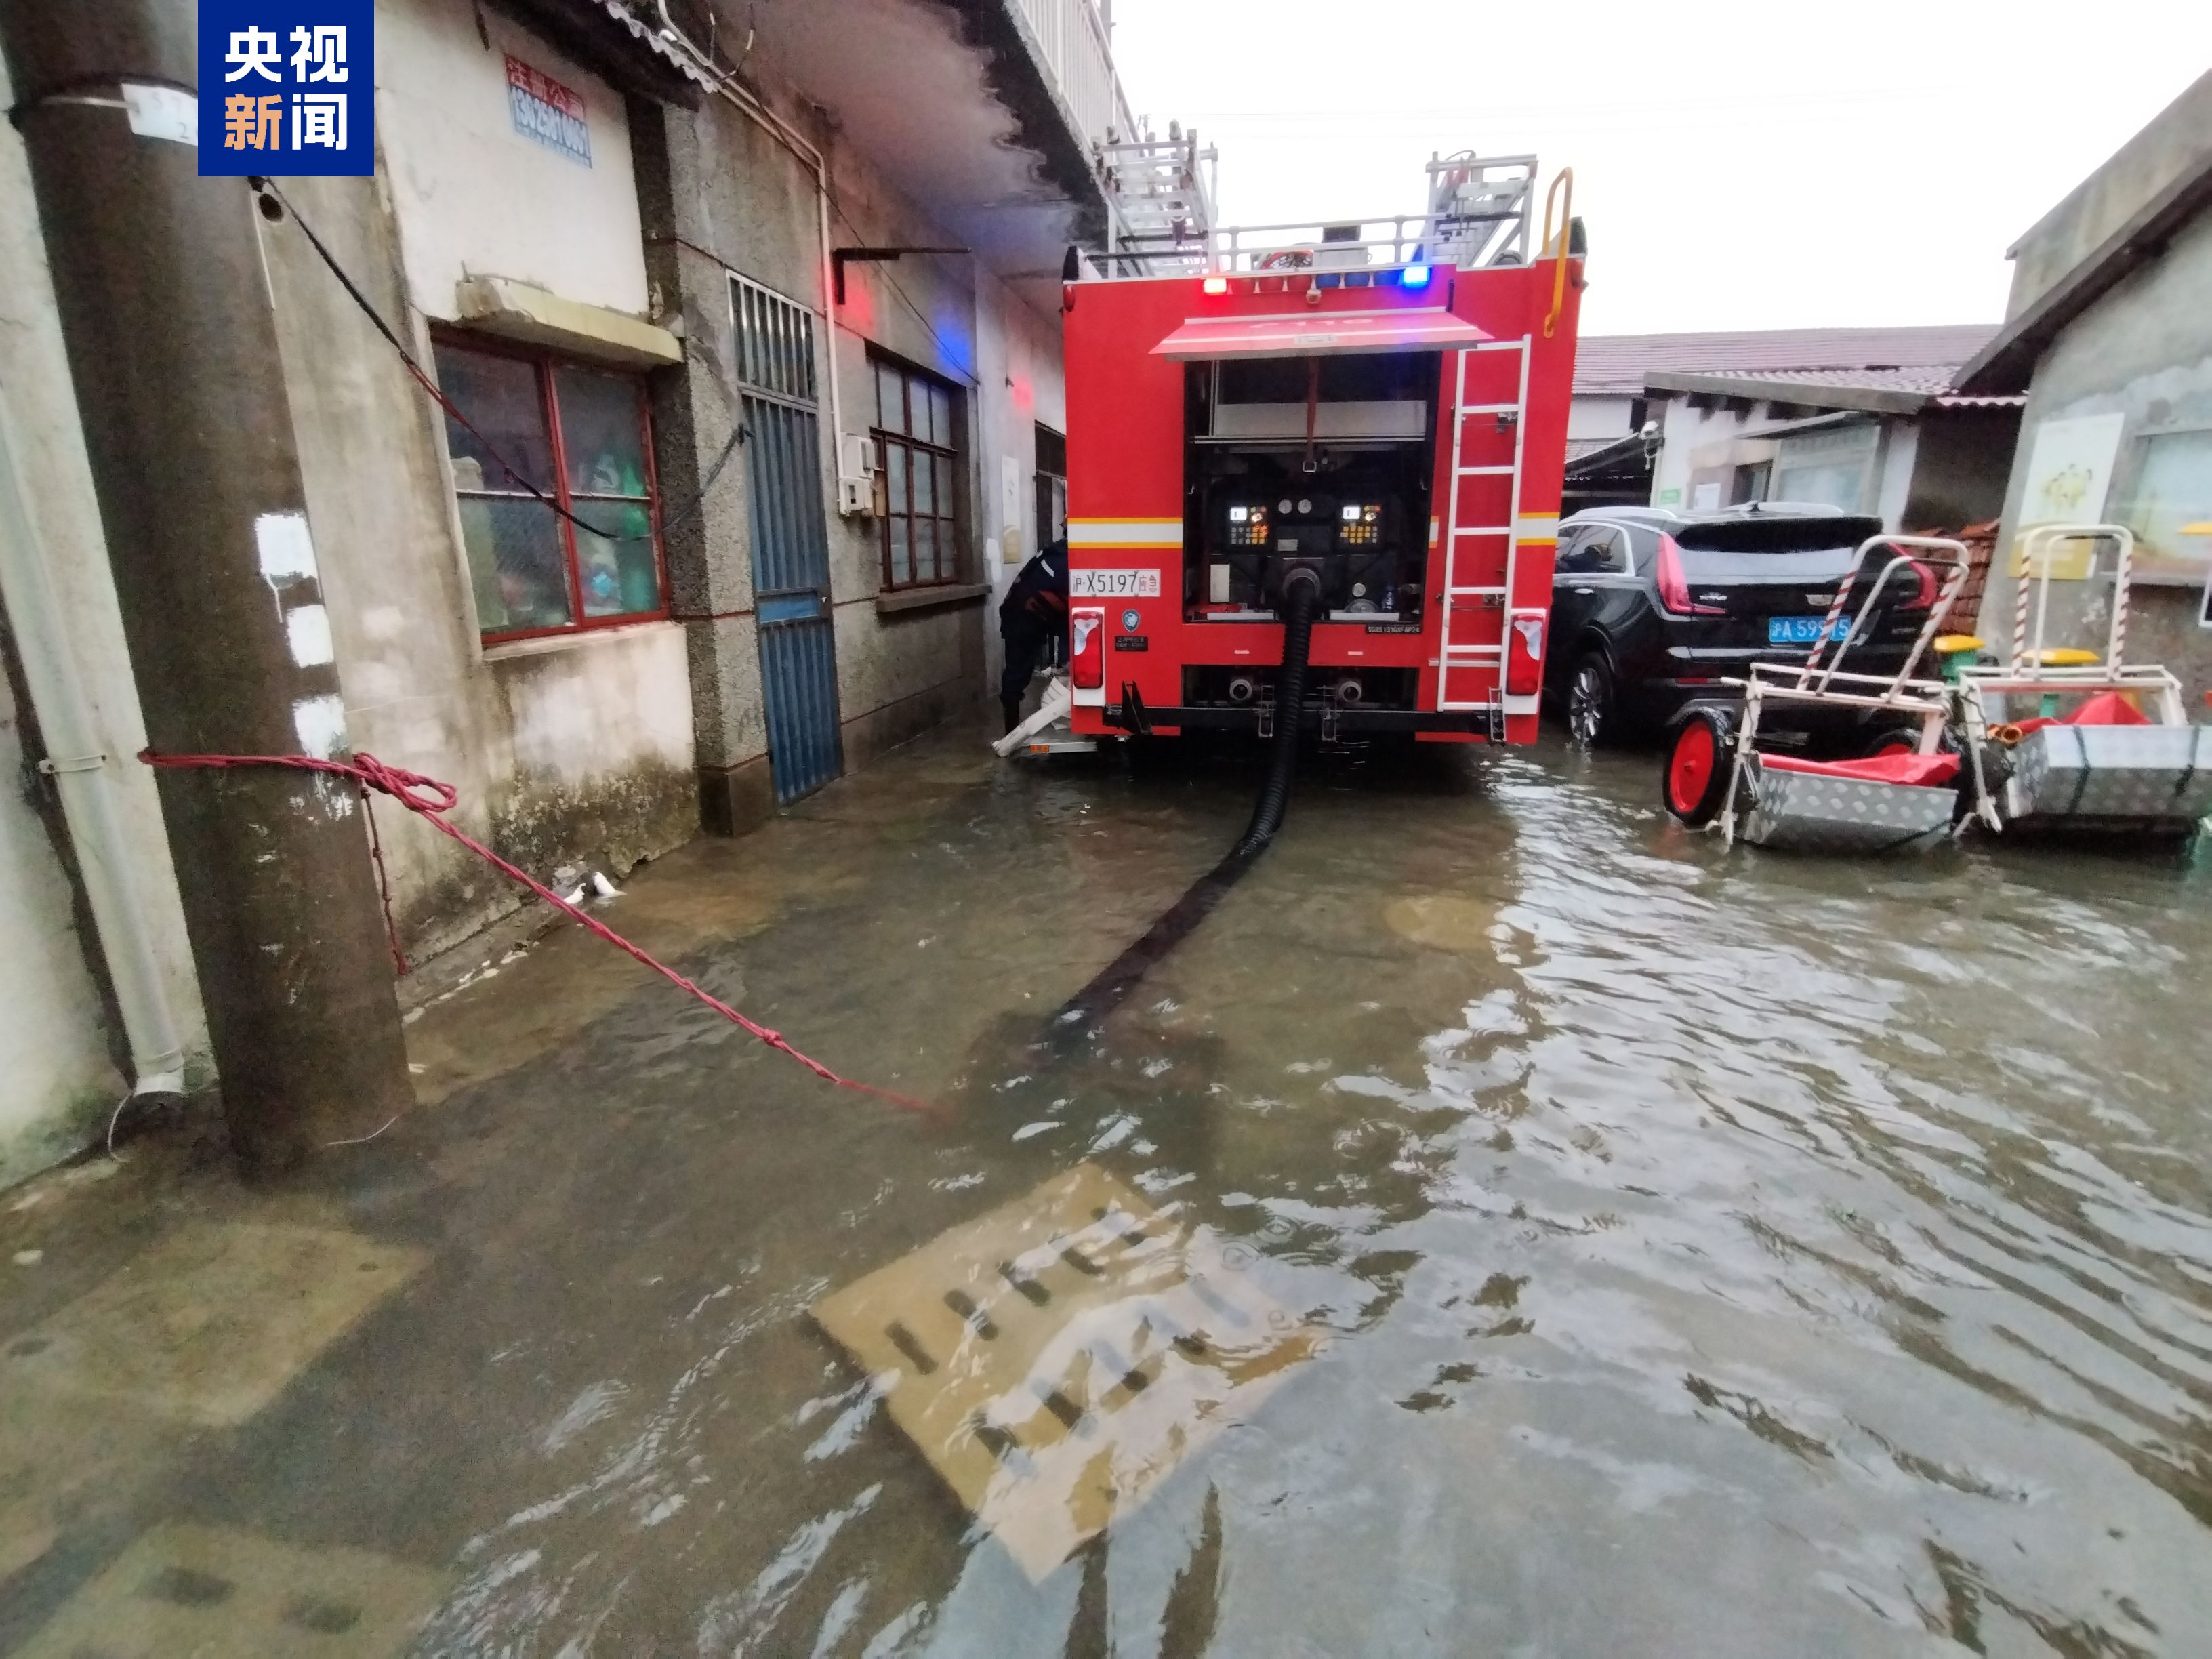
(1662, 1253)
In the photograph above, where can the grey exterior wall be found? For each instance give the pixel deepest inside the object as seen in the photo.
(722, 195)
(2145, 350)
(2098, 207)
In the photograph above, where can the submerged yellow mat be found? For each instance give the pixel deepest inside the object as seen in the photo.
(1057, 1358)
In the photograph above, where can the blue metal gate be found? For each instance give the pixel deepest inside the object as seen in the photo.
(790, 539)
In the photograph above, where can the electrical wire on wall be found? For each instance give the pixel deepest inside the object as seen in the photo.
(276, 205)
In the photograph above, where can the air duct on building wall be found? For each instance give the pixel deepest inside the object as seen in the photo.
(83, 776)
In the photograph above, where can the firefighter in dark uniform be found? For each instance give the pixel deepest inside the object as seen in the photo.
(1033, 610)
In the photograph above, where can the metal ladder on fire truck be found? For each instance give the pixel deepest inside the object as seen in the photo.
(1469, 594)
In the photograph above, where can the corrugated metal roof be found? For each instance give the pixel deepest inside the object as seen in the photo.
(1579, 447)
(1616, 365)
(650, 39)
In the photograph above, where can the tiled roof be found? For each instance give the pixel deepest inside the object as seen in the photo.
(1617, 365)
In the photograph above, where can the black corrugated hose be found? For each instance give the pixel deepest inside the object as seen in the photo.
(1300, 604)
(1082, 1012)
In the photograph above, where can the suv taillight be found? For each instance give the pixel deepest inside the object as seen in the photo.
(1674, 591)
(1924, 597)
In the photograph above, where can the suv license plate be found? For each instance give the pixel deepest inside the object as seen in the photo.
(1793, 630)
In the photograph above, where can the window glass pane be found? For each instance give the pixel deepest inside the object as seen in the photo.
(895, 475)
(902, 555)
(925, 494)
(2172, 493)
(891, 399)
(501, 397)
(601, 433)
(1838, 483)
(948, 548)
(925, 550)
(940, 417)
(516, 564)
(945, 497)
(616, 571)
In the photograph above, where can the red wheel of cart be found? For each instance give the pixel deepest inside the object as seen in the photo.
(1697, 768)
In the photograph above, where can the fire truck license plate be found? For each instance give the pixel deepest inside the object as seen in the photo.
(1114, 583)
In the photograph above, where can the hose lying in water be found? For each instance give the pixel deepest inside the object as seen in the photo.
(1119, 977)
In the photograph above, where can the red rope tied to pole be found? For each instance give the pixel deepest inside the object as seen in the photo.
(431, 800)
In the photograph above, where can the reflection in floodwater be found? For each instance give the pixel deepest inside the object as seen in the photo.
(1662, 1253)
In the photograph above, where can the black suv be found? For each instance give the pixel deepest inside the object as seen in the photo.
(1652, 608)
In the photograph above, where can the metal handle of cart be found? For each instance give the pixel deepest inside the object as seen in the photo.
(1796, 683)
(1953, 553)
(2026, 672)
(2027, 663)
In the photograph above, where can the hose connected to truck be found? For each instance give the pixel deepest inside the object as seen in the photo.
(1301, 599)
(1300, 602)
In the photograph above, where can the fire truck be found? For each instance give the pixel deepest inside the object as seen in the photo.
(1314, 471)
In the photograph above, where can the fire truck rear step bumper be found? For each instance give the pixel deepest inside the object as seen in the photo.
(1346, 721)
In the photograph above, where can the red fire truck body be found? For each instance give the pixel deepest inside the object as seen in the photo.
(1398, 429)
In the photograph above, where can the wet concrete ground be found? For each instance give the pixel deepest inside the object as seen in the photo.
(1675, 1255)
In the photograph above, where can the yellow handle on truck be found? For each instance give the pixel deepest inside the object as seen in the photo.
(1566, 177)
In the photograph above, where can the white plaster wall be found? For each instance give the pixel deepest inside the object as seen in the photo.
(1022, 384)
(476, 198)
(571, 747)
(623, 695)
(1599, 417)
(50, 1024)
(1691, 438)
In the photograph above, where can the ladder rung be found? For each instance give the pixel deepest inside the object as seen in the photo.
(1457, 593)
(1473, 650)
(1489, 409)
(1486, 530)
(1500, 345)
(1473, 472)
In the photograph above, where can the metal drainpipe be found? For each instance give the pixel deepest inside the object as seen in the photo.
(82, 775)
(777, 129)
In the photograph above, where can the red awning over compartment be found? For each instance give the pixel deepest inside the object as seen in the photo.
(1320, 334)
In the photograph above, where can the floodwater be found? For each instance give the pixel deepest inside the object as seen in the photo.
(1661, 1253)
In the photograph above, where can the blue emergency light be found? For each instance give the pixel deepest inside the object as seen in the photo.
(1414, 277)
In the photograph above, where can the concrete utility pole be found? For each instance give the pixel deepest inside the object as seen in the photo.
(166, 312)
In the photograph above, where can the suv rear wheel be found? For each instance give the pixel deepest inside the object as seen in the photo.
(1592, 707)
(1698, 768)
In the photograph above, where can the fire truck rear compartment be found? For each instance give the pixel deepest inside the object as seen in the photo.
(1317, 463)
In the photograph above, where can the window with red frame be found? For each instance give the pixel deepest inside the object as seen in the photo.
(584, 436)
(917, 427)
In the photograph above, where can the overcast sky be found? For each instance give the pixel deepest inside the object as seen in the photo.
(1773, 165)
